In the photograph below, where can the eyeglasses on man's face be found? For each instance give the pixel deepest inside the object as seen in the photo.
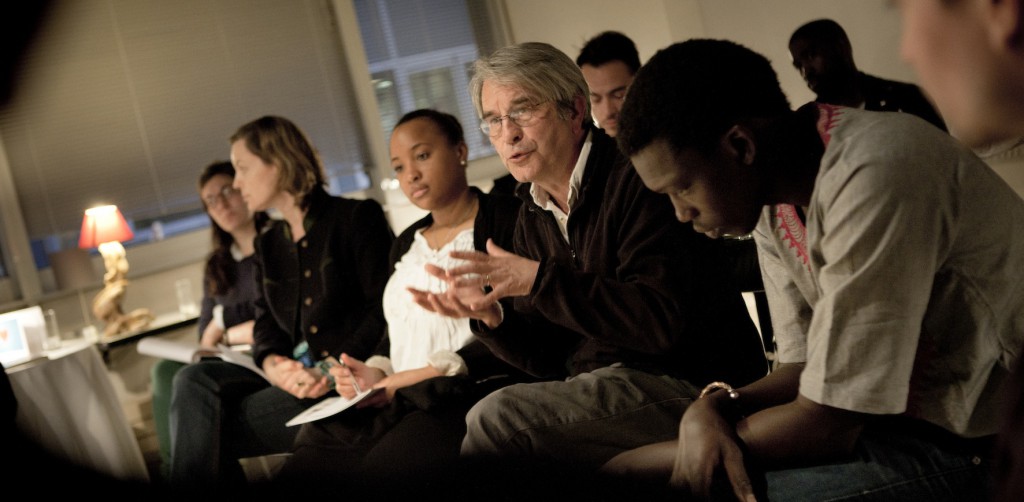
(223, 195)
(523, 117)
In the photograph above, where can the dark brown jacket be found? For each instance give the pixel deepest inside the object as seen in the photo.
(632, 286)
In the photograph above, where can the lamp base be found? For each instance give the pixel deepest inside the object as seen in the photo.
(135, 320)
(107, 304)
(107, 308)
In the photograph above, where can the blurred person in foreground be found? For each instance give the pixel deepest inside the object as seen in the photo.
(969, 56)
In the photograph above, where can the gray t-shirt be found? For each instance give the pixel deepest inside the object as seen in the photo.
(904, 292)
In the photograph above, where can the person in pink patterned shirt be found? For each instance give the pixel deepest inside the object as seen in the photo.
(896, 297)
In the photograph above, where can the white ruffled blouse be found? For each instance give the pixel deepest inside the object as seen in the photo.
(420, 337)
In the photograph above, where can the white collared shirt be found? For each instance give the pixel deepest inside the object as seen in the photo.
(543, 199)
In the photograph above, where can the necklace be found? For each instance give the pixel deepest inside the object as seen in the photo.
(455, 226)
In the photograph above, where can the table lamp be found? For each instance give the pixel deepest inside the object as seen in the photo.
(104, 227)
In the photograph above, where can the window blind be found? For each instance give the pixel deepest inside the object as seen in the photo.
(125, 101)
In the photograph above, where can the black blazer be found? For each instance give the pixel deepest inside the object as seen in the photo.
(326, 288)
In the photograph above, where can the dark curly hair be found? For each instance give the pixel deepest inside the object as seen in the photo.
(691, 92)
(609, 46)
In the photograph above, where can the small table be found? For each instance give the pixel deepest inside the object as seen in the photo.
(67, 405)
(162, 324)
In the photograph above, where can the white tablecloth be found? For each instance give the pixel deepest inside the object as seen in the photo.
(67, 404)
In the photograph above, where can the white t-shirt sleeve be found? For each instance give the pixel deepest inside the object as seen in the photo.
(788, 309)
(876, 234)
(448, 363)
(218, 316)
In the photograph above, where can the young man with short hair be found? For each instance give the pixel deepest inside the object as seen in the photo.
(892, 259)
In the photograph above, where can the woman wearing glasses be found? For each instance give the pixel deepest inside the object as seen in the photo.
(229, 288)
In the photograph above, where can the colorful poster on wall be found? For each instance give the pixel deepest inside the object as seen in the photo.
(13, 342)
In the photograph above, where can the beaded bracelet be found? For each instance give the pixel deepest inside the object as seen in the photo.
(713, 386)
(730, 410)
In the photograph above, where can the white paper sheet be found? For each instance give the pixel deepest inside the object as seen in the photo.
(328, 407)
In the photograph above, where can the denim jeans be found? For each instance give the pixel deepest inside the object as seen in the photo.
(891, 465)
(161, 378)
(221, 412)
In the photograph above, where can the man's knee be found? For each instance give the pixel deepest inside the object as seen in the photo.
(489, 422)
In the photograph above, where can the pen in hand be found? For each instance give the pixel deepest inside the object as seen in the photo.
(355, 384)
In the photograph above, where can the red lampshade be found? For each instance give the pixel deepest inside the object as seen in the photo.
(103, 224)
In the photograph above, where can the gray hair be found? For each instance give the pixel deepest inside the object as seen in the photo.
(543, 71)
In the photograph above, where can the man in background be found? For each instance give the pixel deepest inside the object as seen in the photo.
(822, 54)
(608, 62)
